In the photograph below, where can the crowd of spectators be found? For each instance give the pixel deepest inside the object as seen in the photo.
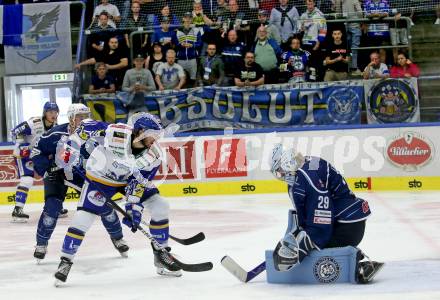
(241, 43)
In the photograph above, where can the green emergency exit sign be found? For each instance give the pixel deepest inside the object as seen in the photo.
(59, 77)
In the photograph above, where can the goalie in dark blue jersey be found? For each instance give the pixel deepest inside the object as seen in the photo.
(326, 213)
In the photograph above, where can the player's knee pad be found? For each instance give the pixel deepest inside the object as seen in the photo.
(330, 265)
(26, 181)
(158, 207)
(82, 220)
(52, 206)
(112, 224)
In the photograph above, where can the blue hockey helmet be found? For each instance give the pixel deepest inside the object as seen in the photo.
(147, 123)
(50, 106)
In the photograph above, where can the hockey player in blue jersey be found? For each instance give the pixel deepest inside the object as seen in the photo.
(125, 161)
(24, 136)
(327, 214)
(55, 183)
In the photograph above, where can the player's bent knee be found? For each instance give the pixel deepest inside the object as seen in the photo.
(82, 220)
(26, 181)
(331, 265)
(158, 207)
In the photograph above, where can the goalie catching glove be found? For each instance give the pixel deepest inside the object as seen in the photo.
(292, 249)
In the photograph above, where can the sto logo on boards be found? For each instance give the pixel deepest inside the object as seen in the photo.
(225, 158)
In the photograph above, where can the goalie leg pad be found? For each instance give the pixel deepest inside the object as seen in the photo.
(331, 265)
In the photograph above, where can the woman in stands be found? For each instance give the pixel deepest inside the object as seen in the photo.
(405, 68)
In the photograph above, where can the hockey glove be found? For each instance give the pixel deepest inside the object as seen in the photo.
(292, 249)
(135, 211)
(54, 175)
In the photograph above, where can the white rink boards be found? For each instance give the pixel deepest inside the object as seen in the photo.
(403, 232)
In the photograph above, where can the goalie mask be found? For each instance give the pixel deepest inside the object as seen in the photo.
(284, 164)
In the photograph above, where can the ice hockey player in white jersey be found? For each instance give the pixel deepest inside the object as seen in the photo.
(125, 161)
(25, 135)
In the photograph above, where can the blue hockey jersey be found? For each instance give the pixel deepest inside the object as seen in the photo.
(321, 197)
(43, 153)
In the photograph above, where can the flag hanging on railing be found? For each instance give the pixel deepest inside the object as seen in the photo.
(10, 30)
(45, 44)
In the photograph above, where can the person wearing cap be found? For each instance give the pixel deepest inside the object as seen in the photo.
(164, 35)
(285, 18)
(188, 43)
(137, 82)
(263, 20)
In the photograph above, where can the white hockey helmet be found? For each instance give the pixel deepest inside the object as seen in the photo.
(285, 163)
(77, 109)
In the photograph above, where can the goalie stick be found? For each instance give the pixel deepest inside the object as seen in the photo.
(240, 273)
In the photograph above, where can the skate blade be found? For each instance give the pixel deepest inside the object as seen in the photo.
(63, 216)
(376, 270)
(165, 272)
(58, 283)
(19, 220)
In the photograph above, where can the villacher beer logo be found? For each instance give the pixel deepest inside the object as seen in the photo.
(410, 151)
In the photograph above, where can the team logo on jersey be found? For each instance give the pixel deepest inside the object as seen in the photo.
(344, 106)
(392, 101)
(40, 35)
(96, 198)
(410, 151)
(326, 270)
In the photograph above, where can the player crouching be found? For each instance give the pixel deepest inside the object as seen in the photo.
(326, 213)
(125, 161)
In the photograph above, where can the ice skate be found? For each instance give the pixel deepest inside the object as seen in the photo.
(121, 246)
(40, 252)
(368, 270)
(18, 216)
(164, 264)
(63, 271)
(63, 213)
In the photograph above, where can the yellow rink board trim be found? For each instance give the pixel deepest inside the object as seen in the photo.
(415, 183)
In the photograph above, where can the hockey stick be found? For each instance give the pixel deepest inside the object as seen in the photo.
(199, 267)
(240, 273)
(188, 241)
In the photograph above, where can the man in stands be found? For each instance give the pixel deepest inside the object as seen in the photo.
(102, 33)
(351, 9)
(337, 59)
(115, 60)
(170, 75)
(164, 36)
(112, 11)
(267, 53)
(232, 55)
(188, 43)
(250, 74)
(285, 18)
(376, 10)
(211, 68)
(314, 26)
(375, 68)
(263, 20)
(101, 82)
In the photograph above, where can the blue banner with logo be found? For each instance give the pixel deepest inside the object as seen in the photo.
(268, 106)
(392, 100)
(43, 43)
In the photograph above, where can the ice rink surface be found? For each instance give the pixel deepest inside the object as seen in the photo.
(403, 232)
